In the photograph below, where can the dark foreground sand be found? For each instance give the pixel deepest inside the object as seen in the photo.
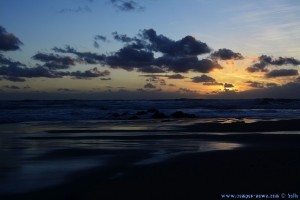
(266, 164)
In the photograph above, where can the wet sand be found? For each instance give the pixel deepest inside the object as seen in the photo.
(263, 164)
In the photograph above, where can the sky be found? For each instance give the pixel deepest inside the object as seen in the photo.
(149, 49)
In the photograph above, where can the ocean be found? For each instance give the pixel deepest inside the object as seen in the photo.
(68, 110)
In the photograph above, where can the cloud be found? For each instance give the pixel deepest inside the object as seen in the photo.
(203, 79)
(84, 57)
(187, 91)
(281, 73)
(185, 64)
(65, 90)
(105, 79)
(172, 85)
(149, 86)
(27, 72)
(92, 73)
(213, 84)
(8, 41)
(175, 76)
(289, 90)
(126, 5)
(187, 46)
(16, 71)
(128, 58)
(122, 37)
(265, 60)
(228, 85)
(8, 62)
(162, 82)
(255, 84)
(176, 56)
(151, 69)
(272, 85)
(54, 61)
(79, 9)
(11, 87)
(14, 79)
(226, 54)
(99, 38)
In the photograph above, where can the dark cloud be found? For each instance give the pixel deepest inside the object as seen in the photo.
(96, 45)
(126, 5)
(282, 61)
(255, 84)
(151, 69)
(14, 79)
(228, 85)
(11, 87)
(79, 9)
(185, 64)
(84, 57)
(122, 37)
(54, 61)
(187, 46)
(101, 38)
(272, 85)
(28, 72)
(177, 56)
(8, 41)
(282, 72)
(213, 84)
(172, 85)
(289, 90)
(226, 54)
(92, 73)
(65, 90)
(175, 76)
(129, 58)
(149, 86)
(162, 82)
(187, 91)
(105, 79)
(203, 79)
(265, 60)
(8, 62)
(16, 71)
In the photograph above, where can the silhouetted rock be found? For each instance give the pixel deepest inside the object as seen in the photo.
(180, 114)
(158, 115)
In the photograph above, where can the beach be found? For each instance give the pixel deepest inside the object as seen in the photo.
(150, 159)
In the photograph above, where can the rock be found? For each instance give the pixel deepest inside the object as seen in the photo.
(158, 115)
(180, 114)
